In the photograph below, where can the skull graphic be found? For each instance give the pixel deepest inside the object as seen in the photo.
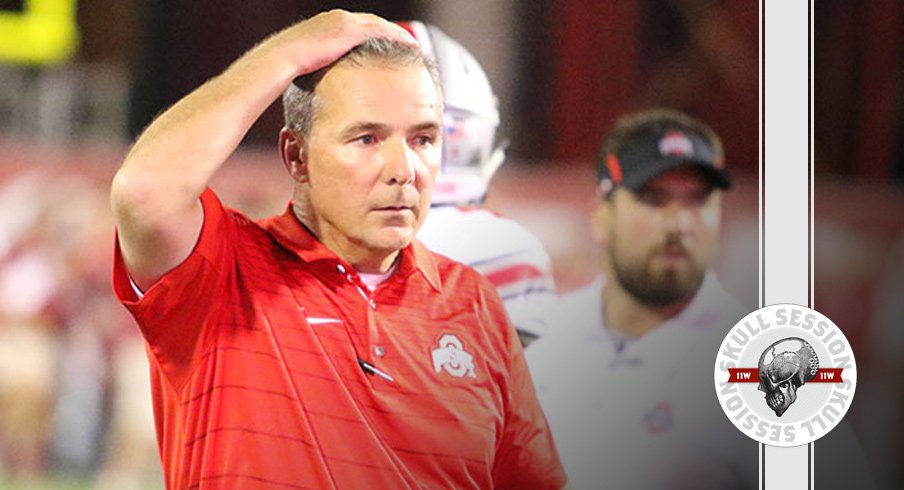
(784, 367)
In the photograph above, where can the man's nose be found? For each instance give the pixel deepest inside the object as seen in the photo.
(679, 217)
(399, 163)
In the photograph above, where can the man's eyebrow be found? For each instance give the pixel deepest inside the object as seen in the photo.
(426, 126)
(361, 127)
(368, 127)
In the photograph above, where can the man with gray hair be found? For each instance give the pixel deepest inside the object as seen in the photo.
(325, 347)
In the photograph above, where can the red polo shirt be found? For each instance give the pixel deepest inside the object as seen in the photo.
(256, 341)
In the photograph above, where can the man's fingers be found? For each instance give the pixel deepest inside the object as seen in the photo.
(324, 38)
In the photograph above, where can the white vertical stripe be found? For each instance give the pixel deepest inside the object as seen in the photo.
(785, 184)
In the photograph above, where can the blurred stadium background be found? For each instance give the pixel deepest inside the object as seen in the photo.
(78, 79)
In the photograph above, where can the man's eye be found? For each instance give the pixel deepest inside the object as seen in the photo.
(367, 139)
(698, 199)
(424, 140)
(701, 198)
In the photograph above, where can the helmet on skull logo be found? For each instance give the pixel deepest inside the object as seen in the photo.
(785, 366)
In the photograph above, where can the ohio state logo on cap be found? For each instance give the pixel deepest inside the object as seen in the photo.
(785, 375)
(676, 144)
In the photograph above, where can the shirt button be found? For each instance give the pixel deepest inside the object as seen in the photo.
(340, 268)
(379, 351)
(372, 304)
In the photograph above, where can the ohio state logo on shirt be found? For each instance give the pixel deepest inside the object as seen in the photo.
(659, 419)
(451, 357)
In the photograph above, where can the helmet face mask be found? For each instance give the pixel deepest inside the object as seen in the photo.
(470, 119)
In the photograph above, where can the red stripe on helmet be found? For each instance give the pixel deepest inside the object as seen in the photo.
(614, 167)
(407, 26)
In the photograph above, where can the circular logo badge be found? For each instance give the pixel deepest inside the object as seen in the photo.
(785, 375)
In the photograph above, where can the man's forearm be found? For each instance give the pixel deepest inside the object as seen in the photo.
(155, 193)
(181, 149)
(179, 152)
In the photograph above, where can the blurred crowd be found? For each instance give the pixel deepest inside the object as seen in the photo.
(74, 400)
(74, 391)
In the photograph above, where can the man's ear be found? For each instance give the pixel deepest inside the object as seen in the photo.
(293, 154)
(600, 221)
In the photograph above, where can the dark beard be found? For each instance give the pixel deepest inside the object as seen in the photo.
(652, 289)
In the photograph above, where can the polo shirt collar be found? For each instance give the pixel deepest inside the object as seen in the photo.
(423, 260)
(289, 232)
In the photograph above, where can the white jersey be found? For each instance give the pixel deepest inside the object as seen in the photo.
(641, 413)
(505, 252)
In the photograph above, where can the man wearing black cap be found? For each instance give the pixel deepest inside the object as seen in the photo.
(660, 176)
(625, 377)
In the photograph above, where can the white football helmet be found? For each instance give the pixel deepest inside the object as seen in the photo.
(470, 119)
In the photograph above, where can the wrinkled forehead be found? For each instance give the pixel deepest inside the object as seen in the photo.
(349, 79)
(388, 54)
(346, 78)
(376, 93)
